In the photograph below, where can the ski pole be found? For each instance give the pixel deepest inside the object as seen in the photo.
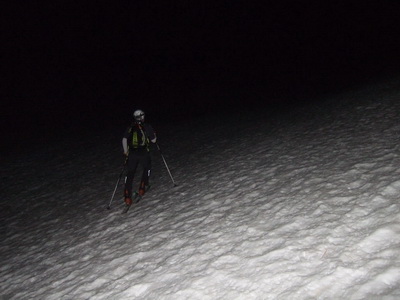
(165, 163)
(116, 186)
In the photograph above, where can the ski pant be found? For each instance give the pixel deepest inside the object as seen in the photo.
(136, 158)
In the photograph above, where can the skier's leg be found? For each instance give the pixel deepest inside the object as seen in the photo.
(144, 183)
(132, 166)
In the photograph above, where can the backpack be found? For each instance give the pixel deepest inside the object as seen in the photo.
(138, 138)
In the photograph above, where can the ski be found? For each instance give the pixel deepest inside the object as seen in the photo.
(126, 208)
(138, 198)
(135, 200)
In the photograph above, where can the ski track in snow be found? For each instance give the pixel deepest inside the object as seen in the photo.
(300, 206)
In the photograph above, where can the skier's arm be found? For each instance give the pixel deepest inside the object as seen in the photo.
(151, 133)
(125, 145)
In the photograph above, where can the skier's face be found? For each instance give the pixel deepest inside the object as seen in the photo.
(140, 118)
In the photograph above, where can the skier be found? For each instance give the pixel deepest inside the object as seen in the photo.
(136, 145)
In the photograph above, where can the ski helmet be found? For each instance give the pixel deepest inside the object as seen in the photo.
(138, 115)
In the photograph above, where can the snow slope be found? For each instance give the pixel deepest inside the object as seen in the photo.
(300, 205)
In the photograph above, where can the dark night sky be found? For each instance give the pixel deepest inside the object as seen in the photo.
(80, 62)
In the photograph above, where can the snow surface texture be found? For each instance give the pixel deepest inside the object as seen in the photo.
(303, 205)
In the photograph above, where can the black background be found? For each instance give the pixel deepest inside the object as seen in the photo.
(85, 64)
